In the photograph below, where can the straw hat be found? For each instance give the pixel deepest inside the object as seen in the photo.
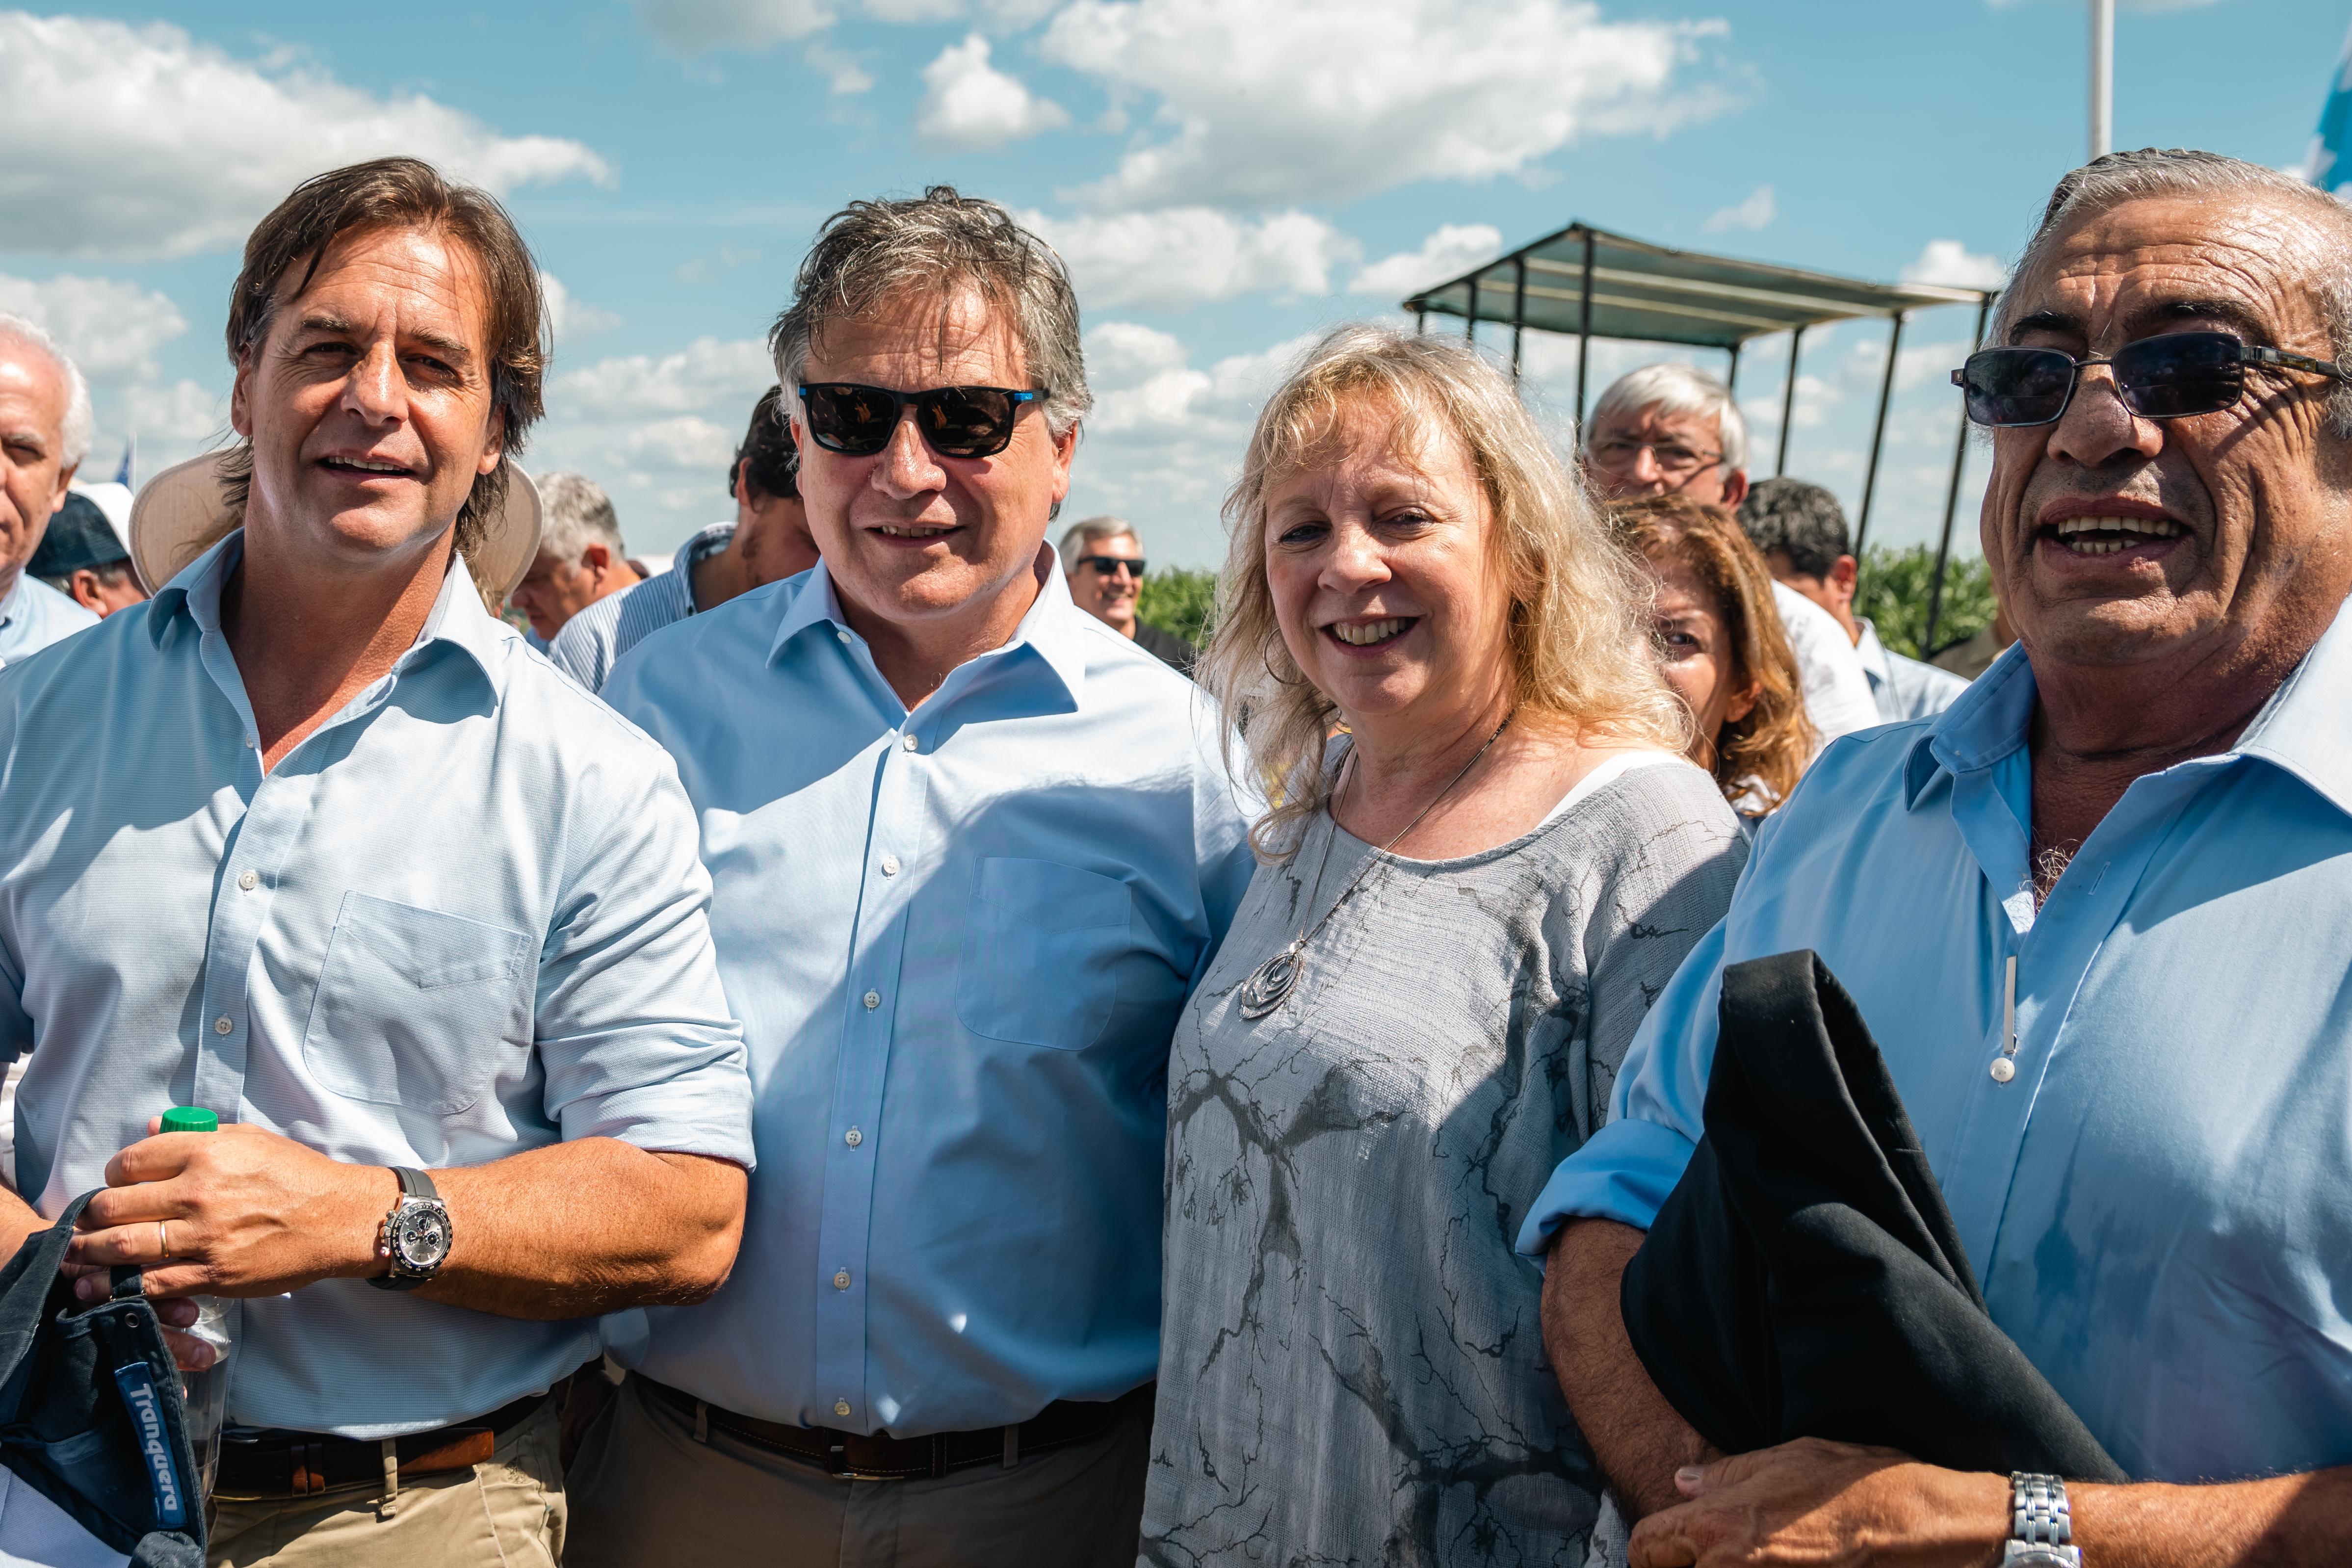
(184, 511)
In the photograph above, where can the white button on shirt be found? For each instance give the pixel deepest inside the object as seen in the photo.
(485, 933)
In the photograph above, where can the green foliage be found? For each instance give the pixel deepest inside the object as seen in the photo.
(1894, 590)
(1180, 600)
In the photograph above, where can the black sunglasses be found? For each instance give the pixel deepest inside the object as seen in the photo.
(2167, 377)
(1109, 565)
(955, 421)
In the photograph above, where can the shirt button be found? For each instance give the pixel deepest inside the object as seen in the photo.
(841, 1407)
(841, 1279)
(843, 635)
(911, 743)
(873, 1000)
(852, 1137)
(221, 1025)
(2004, 1069)
(890, 865)
(249, 881)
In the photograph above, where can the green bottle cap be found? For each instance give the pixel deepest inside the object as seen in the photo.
(190, 1119)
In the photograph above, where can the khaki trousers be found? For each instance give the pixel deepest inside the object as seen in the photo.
(646, 1494)
(504, 1513)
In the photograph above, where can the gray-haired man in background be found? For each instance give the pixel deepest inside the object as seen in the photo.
(1102, 558)
(45, 426)
(581, 557)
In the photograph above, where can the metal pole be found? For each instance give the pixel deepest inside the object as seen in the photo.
(1519, 315)
(1877, 436)
(1789, 403)
(1470, 321)
(1951, 503)
(1731, 376)
(2103, 76)
(1583, 333)
(1419, 318)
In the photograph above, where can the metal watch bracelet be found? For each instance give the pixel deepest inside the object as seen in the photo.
(2042, 1527)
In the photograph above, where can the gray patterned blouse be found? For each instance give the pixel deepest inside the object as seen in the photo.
(1351, 1368)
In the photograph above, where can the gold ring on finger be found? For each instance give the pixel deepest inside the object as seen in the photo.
(164, 1237)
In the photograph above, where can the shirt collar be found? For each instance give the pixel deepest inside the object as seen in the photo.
(1051, 630)
(2305, 728)
(458, 618)
(1869, 649)
(11, 601)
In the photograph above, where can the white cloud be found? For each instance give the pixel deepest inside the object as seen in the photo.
(688, 441)
(1126, 353)
(573, 318)
(970, 106)
(842, 72)
(1954, 265)
(692, 25)
(172, 421)
(137, 142)
(656, 430)
(1182, 256)
(111, 329)
(638, 386)
(1331, 99)
(1450, 252)
(1756, 211)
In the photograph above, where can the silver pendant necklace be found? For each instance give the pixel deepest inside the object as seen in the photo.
(1271, 981)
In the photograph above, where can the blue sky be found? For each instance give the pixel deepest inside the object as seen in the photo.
(1226, 177)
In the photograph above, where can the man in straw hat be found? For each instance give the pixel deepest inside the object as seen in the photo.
(312, 840)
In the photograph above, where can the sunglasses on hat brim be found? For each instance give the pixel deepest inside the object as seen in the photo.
(955, 421)
(2170, 377)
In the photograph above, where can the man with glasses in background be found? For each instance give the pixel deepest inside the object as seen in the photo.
(1668, 428)
(1103, 560)
(970, 854)
(2098, 916)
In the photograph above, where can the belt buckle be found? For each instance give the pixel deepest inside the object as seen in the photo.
(841, 1467)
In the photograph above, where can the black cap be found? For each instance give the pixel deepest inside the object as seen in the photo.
(79, 536)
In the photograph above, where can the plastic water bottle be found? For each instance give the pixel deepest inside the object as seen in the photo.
(217, 1321)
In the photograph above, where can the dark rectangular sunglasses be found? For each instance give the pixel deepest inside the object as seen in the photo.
(1111, 565)
(2166, 377)
(955, 421)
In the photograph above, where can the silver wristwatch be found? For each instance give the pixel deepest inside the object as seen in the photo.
(2042, 1532)
(416, 1233)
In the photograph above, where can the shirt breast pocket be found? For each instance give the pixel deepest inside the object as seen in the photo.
(1041, 944)
(414, 1007)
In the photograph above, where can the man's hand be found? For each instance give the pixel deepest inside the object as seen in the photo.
(243, 1211)
(1825, 1505)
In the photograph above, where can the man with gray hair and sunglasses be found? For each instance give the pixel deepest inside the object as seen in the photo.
(2097, 915)
(45, 427)
(972, 850)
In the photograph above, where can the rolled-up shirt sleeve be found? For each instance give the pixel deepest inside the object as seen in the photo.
(1625, 1171)
(634, 1028)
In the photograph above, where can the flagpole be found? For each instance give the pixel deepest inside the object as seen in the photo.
(2103, 76)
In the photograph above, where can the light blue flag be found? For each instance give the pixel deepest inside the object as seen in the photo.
(2328, 166)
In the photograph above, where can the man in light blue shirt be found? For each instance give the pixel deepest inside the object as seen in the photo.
(971, 850)
(2133, 836)
(313, 841)
(44, 426)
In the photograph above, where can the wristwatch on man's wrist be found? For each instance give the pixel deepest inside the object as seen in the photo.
(416, 1233)
(2041, 1531)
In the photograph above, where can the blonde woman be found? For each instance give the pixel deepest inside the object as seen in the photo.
(1722, 647)
(1464, 908)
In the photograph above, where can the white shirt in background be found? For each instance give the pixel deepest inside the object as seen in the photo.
(1837, 689)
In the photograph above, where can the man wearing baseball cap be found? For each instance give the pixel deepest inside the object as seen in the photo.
(313, 841)
(83, 558)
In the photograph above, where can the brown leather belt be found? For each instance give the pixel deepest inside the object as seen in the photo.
(304, 1464)
(858, 1456)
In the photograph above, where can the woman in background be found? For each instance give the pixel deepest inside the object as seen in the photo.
(1721, 647)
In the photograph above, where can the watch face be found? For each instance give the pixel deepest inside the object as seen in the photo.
(420, 1236)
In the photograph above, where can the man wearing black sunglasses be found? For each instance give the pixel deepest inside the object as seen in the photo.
(1103, 561)
(2098, 915)
(968, 855)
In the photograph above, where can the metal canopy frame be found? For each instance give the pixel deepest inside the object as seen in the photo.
(1597, 284)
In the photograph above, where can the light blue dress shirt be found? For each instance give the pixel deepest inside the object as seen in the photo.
(33, 615)
(959, 940)
(2159, 1201)
(462, 918)
(593, 641)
